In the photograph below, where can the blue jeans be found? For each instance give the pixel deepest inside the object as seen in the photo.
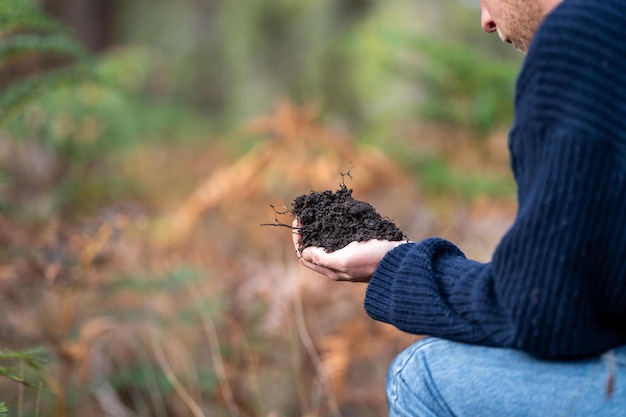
(435, 377)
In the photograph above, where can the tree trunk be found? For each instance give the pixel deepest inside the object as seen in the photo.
(92, 21)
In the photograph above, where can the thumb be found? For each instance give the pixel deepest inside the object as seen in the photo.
(314, 254)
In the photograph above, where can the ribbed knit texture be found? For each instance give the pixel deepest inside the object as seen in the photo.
(556, 286)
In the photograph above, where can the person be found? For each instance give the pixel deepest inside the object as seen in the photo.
(540, 330)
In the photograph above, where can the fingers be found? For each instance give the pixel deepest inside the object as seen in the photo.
(348, 264)
(295, 235)
(328, 272)
(313, 257)
(310, 255)
(320, 261)
(318, 256)
(356, 262)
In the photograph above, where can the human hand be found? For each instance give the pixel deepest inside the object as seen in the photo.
(356, 262)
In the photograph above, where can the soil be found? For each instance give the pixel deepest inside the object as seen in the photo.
(334, 219)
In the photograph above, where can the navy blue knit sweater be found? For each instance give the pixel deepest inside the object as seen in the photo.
(556, 285)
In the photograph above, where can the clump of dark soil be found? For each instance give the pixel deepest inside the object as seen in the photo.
(334, 219)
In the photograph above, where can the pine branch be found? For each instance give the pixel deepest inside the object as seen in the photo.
(33, 358)
(8, 373)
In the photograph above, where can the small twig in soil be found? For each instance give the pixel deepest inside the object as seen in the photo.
(346, 174)
(277, 222)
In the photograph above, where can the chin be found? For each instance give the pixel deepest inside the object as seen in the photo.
(521, 46)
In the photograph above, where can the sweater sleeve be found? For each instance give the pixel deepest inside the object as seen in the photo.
(556, 286)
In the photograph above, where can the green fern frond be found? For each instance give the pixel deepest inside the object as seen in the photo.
(25, 16)
(10, 373)
(16, 96)
(33, 357)
(3, 410)
(55, 44)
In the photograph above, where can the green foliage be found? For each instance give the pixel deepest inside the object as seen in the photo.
(20, 94)
(18, 46)
(248, 53)
(464, 87)
(80, 109)
(33, 358)
(83, 120)
(176, 281)
(447, 81)
(25, 31)
(362, 61)
(147, 377)
(142, 376)
(3, 410)
(173, 280)
(25, 15)
(436, 176)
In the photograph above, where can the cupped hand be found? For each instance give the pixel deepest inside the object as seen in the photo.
(356, 262)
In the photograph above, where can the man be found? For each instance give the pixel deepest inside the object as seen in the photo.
(541, 329)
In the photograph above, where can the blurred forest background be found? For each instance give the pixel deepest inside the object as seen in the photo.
(141, 145)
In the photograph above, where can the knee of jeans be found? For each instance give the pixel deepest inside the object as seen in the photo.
(409, 365)
(394, 377)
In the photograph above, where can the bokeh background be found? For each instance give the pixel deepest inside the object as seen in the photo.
(143, 144)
